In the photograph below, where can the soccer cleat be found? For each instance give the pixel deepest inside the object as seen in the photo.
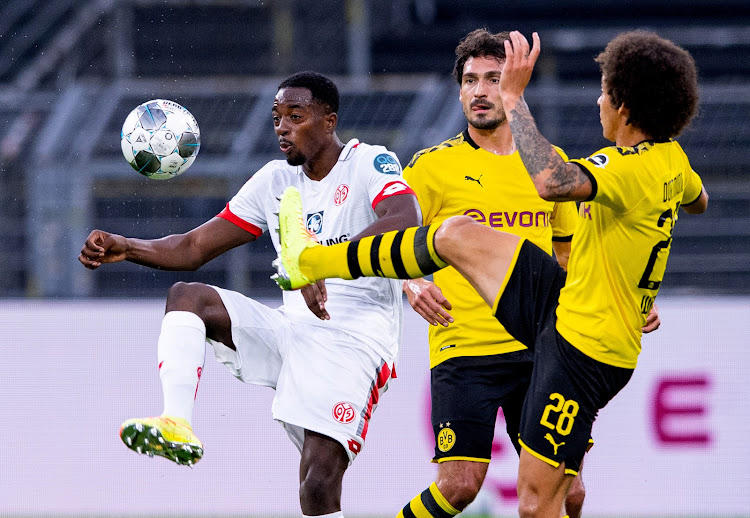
(294, 239)
(168, 437)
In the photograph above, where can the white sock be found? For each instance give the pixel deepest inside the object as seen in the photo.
(181, 355)
(337, 514)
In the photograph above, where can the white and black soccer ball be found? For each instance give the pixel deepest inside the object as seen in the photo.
(160, 139)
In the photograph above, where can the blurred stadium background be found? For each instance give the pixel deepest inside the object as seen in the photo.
(71, 70)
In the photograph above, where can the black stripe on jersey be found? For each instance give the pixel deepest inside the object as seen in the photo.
(422, 251)
(408, 513)
(351, 260)
(594, 185)
(375, 255)
(432, 506)
(562, 239)
(398, 266)
(695, 200)
(453, 141)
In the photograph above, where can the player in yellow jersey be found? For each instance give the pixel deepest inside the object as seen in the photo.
(584, 327)
(476, 365)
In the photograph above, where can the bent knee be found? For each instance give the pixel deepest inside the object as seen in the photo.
(452, 234)
(195, 297)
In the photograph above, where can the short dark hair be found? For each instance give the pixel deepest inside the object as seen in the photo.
(322, 88)
(653, 78)
(479, 43)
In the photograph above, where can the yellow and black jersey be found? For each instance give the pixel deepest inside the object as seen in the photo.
(458, 177)
(622, 242)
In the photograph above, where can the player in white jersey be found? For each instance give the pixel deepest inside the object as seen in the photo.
(330, 350)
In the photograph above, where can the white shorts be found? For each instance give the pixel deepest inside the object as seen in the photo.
(325, 380)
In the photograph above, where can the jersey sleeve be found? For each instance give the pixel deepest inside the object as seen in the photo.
(246, 208)
(610, 179)
(381, 170)
(564, 220)
(693, 184)
(424, 183)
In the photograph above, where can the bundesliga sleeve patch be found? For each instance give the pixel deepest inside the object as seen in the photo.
(386, 164)
(599, 160)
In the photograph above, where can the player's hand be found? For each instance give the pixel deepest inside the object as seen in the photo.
(102, 247)
(428, 300)
(316, 297)
(652, 320)
(520, 59)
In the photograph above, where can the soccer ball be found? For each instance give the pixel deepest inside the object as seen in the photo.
(160, 139)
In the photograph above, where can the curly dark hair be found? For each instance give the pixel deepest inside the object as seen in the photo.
(323, 90)
(479, 43)
(653, 78)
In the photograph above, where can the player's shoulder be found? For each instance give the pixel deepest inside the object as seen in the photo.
(372, 157)
(627, 157)
(438, 152)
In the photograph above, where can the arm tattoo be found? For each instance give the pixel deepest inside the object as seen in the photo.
(540, 158)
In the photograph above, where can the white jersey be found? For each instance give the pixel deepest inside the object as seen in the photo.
(336, 208)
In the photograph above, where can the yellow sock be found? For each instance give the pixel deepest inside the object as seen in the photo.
(402, 254)
(430, 503)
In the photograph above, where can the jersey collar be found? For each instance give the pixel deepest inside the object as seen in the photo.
(468, 139)
(348, 150)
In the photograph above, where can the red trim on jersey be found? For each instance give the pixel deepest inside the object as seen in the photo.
(392, 189)
(380, 382)
(244, 225)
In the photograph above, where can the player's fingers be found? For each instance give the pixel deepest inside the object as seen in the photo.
(520, 45)
(321, 286)
(536, 48)
(508, 54)
(438, 313)
(88, 263)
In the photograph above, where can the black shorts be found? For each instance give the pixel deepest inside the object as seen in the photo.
(467, 392)
(568, 388)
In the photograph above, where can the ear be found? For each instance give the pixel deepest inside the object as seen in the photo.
(332, 120)
(624, 113)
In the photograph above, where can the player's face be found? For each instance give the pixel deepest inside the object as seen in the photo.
(301, 124)
(607, 114)
(480, 92)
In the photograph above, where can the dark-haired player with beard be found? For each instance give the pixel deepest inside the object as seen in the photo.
(329, 351)
(584, 327)
(476, 366)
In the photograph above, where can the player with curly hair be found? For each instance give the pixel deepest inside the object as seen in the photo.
(584, 326)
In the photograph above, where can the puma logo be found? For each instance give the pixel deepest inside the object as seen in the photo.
(467, 177)
(552, 441)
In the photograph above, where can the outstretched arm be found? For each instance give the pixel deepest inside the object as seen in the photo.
(176, 252)
(555, 179)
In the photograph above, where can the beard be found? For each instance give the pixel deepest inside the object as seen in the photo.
(486, 123)
(296, 159)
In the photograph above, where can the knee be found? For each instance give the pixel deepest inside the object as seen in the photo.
(529, 506)
(320, 489)
(451, 234)
(188, 296)
(460, 492)
(574, 498)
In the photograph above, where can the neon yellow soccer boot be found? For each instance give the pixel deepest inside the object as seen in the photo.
(165, 436)
(294, 238)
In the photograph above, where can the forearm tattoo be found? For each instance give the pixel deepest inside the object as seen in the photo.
(538, 155)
